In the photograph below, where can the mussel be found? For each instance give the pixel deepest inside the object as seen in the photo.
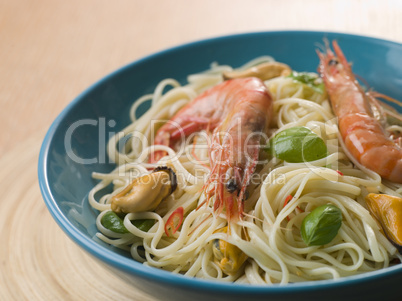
(262, 71)
(229, 257)
(387, 210)
(145, 193)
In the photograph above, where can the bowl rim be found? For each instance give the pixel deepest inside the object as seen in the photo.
(130, 266)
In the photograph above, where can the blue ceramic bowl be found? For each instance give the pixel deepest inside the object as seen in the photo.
(74, 147)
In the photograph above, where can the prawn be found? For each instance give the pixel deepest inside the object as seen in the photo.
(360, 127)
(237, 112)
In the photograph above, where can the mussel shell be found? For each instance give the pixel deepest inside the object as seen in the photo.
(387, 210)
(145, 193)
(228, 256)
(172, 176)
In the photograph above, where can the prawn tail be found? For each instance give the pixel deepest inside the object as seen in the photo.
(174, 132)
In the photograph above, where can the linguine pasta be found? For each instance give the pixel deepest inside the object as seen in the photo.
(273, 244)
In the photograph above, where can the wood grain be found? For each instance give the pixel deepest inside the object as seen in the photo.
(51, 50)
(38, 261)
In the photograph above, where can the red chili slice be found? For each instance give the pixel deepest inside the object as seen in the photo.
(174, 221)
(289, 198)
(339, 172)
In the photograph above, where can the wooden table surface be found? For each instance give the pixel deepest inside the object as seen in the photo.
(51, 50)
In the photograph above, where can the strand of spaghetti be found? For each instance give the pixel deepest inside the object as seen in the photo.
(307, 104)
(158, 92)
(325, 270)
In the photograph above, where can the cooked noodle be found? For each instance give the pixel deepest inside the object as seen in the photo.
(276, 251)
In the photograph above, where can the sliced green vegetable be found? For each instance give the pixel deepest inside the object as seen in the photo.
(321, 225)
(310, 79)
(115, 223)
(298, 144)
(144, 224)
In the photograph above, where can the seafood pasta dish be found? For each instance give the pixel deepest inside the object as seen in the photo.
(260, 174)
